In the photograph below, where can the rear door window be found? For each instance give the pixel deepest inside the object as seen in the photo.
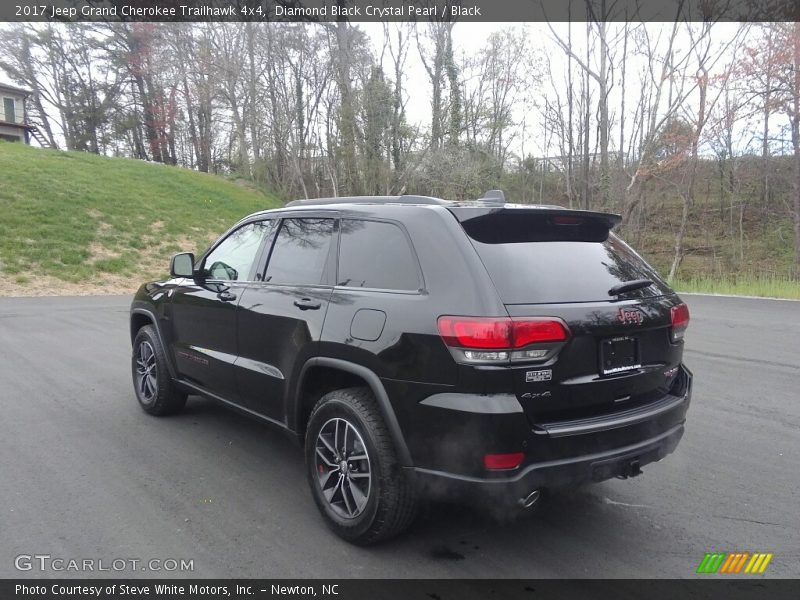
(531, 260)
(300, 252)
(374, 254)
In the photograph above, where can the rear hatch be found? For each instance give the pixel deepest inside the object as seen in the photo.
(621, 351)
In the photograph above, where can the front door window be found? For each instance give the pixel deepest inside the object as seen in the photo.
(234, 257)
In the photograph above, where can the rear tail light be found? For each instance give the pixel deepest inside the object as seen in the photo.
(535, 331)
(467, 332)
(500, 339)
(679, 315)
(496, 462)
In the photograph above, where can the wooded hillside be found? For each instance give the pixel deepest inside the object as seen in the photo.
(690, 130)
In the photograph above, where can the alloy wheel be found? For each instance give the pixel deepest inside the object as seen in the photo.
(343, 468)
(146, 372)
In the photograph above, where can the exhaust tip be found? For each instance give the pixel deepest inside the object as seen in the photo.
(529, 500)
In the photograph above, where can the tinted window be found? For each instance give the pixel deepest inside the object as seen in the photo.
(300, 251)
(233, 258)
(376, 255)
(564, 271)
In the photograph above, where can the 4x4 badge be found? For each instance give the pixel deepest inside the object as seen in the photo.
(631, 316)
(532, 395)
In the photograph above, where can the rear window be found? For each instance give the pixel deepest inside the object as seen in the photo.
(539, 268)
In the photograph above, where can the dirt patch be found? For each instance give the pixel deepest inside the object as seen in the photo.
(99, 252)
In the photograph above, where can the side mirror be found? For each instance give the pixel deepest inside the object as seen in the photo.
(182, 265)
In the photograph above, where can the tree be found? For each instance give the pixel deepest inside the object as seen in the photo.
(602, 74)
(377, 126)
(435, 62)
(398, 49)
(793, 109)
(345, 41)
(494, 82)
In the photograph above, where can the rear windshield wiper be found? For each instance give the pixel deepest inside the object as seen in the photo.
(629, 286)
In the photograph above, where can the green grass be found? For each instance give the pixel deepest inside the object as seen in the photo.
(744, 285)
(78, 217)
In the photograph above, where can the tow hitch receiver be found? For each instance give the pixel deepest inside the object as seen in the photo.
(630, 469)
(621, 469)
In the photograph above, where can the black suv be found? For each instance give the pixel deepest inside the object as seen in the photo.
(418, 346)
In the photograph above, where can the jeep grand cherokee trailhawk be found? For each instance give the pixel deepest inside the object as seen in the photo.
(416, 345)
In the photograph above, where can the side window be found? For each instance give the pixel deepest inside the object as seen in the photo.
(376, 255)
(233, 258)
(300, 251)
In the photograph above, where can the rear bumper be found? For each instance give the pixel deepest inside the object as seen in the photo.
(561, 454)
(551, 474)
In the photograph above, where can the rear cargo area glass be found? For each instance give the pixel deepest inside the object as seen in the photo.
(551, 272)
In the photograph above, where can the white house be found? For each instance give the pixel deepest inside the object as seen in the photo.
(13, 123)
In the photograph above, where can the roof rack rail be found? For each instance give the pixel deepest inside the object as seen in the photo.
(405, 199)
(414, 199)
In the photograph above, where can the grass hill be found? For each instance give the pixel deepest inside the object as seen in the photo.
(77, 223)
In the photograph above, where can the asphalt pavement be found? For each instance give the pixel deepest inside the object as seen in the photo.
(85, 474)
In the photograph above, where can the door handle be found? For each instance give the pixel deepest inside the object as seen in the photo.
(226, 296)
(307, 304)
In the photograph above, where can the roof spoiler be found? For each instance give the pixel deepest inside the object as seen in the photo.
(519, 223)
(465, 212)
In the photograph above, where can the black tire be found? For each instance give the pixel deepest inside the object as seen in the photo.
(155, 390)
(391, 496)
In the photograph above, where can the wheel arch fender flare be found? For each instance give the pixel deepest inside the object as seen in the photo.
(139, 310)
(375, 385)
